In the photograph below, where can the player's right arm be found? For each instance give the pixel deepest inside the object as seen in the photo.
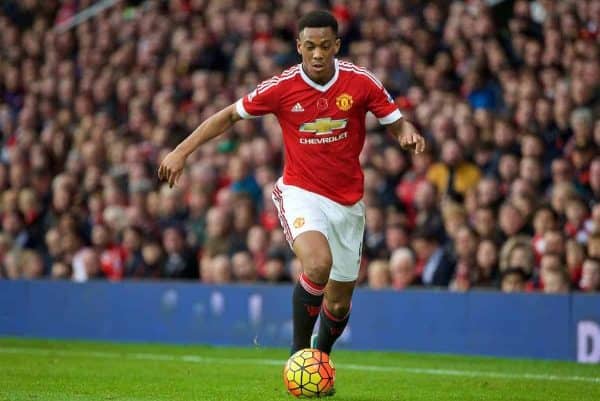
(172, 165)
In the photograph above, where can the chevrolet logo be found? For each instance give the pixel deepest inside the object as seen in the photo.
(323, 126)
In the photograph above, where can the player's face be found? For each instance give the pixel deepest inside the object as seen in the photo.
(318, 47)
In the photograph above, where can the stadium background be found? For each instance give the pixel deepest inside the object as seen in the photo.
(505, 198)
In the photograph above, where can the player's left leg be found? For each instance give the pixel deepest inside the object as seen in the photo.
(335, 313)
(345, 241)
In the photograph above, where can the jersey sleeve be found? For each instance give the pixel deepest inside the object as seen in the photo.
(262, 100)
(381, 104)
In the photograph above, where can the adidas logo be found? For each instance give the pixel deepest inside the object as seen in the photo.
(297, 108)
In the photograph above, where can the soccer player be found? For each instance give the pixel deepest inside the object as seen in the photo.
(321, 106)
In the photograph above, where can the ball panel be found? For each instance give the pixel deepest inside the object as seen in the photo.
(325, 371)
(312, 387)
(325, 385)
(306, 354)
(309, 393)
(296, 391)
(315, 378)
(298, 377)
(314, 368)
(311, 361)
(297, 361)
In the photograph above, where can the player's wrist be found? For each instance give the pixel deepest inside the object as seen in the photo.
(183, 150)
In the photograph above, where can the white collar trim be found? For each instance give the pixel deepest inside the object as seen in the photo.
(320, 88)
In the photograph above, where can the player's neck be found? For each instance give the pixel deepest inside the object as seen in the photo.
(322, 78)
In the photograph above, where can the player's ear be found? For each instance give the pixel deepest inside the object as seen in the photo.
(298, 46)
(338, 44)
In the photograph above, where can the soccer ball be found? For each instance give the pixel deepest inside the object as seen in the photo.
(309, 373)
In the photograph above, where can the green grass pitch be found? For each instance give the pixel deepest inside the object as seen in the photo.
(85, 371)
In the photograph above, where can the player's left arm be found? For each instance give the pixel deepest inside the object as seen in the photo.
(382, 105)
(407, 134)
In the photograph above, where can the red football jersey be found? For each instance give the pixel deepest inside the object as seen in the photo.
(323, 125)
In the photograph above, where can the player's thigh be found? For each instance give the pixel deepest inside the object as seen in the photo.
(312, 248)
(298, 211)
(306, 229)
(346, 239)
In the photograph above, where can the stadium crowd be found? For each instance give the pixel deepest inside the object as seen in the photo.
(506, 195)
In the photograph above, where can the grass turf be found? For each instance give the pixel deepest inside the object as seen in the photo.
(89, 371)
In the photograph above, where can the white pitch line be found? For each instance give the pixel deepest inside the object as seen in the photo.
(276, 362)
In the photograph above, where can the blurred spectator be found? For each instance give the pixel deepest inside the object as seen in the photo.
(378, 274)
(134, 265)
(465, 275)
(590, 278)
(518, 252)
(13, 225)
(513, 280)
(511, 220)
(593, 245)
(374, 243)
(258, 245)
(554, 242)
(576, 212)
(434, 262)
(484, 223)
(179, 262)
(403, 269)
(454, 216)
(544, 220)
(594, 182)
(396, 236)
(274, 270)
(427, 213)
(220, 269)
(198, 204)
(243, 217)
(60, 271)
(486, 259)
(217, 232)
(453, 176)
(556, 282)
(242, 181)
(510, 107)
(112, 255)
(153, 258)
(86, 265)
(243, 268)
(31, 265)
(574, 256)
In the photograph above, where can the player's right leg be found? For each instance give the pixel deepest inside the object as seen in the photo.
(305, 227)
(312, 249)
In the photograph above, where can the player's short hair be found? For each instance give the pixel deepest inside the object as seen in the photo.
(318, 19)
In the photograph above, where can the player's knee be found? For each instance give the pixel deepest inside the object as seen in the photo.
(339, 309)
(317, 266)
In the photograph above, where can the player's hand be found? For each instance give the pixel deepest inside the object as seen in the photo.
(410, 139)
(171, 167)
